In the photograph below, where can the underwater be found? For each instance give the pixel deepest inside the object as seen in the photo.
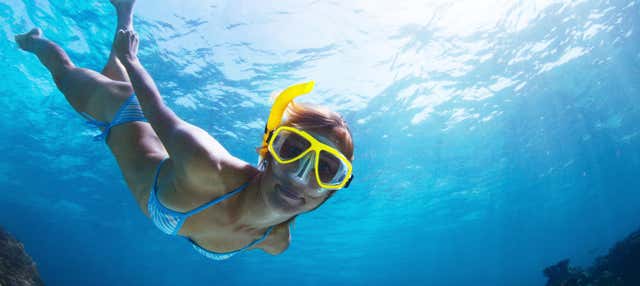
(495, 142)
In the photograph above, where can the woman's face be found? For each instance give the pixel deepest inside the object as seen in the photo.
(292, 188)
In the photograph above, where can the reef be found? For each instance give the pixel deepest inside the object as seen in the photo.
(16, 267)
(620, 267)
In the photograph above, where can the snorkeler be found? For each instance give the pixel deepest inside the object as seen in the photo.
(183, 179)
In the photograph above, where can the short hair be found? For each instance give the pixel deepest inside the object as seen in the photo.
(311, 117)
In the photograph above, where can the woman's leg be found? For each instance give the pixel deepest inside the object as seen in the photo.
(114, 69)
(135, 145)
(86, 90)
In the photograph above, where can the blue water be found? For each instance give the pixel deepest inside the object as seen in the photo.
(492, 138)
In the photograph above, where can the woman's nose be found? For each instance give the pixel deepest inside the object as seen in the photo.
(305, 166)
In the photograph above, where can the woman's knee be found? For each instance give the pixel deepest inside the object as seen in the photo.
(77, 85)
(64, 75)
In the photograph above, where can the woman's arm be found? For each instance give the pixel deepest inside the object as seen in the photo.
(189, 146)
(163, 120)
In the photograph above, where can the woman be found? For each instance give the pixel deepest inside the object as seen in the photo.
(181, 177)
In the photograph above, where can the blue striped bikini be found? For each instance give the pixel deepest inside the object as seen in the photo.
(170, 221)
(167, 220)
(129, 111)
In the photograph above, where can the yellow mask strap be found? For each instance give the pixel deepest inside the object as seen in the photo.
(278, 108)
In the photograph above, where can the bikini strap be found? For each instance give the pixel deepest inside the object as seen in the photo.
(217, 200)
(155, 179)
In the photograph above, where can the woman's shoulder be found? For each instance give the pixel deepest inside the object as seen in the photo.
(215, 174)
(203, 163)
(184, 191)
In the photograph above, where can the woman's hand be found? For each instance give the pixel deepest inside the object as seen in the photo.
(126, 46)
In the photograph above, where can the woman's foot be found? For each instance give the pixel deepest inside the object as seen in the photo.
(24, 40)
(123, 5)
(121, 2)
(124, 9)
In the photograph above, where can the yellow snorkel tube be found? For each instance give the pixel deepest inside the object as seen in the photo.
(278, 108)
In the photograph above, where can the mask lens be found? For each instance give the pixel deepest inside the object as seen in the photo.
(331, 170)
(289, 145)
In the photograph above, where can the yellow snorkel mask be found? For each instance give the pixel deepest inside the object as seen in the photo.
(287, 145)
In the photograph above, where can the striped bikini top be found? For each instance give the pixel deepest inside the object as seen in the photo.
(170, 221)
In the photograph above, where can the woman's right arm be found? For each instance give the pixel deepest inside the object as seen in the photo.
(191, 148)
(162, 119)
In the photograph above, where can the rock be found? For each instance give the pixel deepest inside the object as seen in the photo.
(16, 267)
(561, 274)
(618, 268)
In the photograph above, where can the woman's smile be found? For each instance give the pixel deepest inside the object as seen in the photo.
(289, 195)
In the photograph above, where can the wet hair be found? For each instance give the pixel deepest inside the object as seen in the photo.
(315, 118)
